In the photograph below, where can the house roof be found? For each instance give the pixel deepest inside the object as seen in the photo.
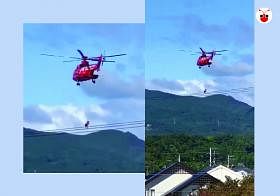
(199, 178)
(241, 168)
(236, 174)
(171, 169)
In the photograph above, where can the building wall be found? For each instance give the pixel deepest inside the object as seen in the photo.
(190, 189)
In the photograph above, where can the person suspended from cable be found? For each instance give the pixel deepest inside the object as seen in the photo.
(205, 91)
(87, 124)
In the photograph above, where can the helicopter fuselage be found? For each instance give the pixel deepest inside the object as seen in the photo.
(84, 72)
(204, 60)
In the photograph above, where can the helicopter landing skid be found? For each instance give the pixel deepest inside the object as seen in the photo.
(94, 77)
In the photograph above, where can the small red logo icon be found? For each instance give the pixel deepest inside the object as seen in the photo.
(264, 15)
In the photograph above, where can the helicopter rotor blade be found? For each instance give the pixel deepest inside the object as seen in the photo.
(220, 50)
(71, 57)
(114, 55)
(216, 51)
(52, 55)
(93, 59)
(181, 50)
(109, 61)
(82, 55)
(70, 61)
(195, 53)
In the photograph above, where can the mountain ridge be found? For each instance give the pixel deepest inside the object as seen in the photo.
(108, 151)
(215, 114)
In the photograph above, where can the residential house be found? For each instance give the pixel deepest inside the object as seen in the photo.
(166, 179)
(178, 180)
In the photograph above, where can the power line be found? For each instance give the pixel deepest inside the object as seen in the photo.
(93, 126)
(200, 152)
(87, 130)
(224, 91)
(61, 133)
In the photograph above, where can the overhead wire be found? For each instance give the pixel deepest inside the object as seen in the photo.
(93, 126)
(208, 93)
(91, 129)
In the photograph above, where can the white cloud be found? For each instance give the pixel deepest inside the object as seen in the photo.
(187, 87)
(196, 86)
(112, 85)
(236, 69)
(69, 115)
(222, 85)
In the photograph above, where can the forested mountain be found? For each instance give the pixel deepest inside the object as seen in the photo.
(107, 151)
(216, 114)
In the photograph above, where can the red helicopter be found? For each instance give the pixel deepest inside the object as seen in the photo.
(85, 71)
(204, 60)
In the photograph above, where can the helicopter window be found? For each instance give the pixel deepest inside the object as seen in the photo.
(261, 15)
(266, 16)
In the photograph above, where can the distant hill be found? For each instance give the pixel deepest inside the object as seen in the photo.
(108, 151)
(217, 114)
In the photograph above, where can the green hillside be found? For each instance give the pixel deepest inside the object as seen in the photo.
(211, 115)
(108, 151)
(194, 150)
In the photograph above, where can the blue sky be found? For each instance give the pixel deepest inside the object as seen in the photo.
(52, 99)
(192, 24)
(50, 92)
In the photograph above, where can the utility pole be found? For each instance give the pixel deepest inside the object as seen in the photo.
(214, 158)
(228, 160)
(210, 157)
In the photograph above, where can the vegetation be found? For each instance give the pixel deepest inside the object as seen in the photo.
(230, 188)
(105, 151)
(194, 150)
(189, 126)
